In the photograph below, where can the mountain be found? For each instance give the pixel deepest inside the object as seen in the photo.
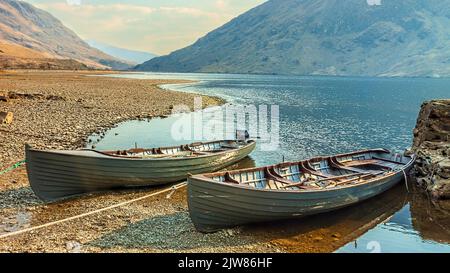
(132, 56)
(324, 37)
(26, 27)
(14, 56)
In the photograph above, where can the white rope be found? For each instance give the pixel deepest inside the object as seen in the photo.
(174, 188)
(406, 180)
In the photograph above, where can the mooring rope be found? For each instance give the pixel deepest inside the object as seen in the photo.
(406, 180)
(13, 167)
(171, 189)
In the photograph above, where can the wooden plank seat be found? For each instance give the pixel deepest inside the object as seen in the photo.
(335, 163)
(374, 162)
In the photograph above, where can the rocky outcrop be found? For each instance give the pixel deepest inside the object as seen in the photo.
(432, 145)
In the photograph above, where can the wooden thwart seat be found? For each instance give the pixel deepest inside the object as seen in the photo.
(289, 184)
(387, 160)
(275, 177)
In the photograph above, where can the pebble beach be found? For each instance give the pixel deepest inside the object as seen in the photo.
(59, 110)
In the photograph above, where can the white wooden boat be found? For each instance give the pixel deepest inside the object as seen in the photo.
(54, 175)
(294, 189)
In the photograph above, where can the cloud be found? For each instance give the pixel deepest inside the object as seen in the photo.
(139, 9)
(191, 12)
(74, 2)
(221, 4)
(91, 9)
(158, 26)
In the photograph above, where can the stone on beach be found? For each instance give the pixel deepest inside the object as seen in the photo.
(6, 117)
(15, 95)
(4, 97)
(432, 146)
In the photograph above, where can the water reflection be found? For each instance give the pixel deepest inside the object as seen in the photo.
(420, 226)
(431, 218)
(245, 163)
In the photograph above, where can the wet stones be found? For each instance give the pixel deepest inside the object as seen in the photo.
(432, 146)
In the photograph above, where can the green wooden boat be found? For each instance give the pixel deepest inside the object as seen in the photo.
(55, 175)
(293, 189)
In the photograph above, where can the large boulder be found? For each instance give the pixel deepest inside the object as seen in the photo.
(432, 146)
(6, 117)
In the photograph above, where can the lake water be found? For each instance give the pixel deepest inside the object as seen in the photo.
(317, 116)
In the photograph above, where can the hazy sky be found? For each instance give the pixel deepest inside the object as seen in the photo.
(158, 26)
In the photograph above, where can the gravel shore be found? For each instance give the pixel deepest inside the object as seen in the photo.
(60, 110)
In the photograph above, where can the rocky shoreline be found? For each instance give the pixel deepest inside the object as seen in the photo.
(432, 146)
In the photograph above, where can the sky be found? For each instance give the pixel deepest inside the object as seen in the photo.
(156, 26)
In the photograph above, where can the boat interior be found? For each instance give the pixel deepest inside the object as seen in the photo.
(190, 150)
(318, 173)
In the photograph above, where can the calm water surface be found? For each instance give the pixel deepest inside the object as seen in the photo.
(320, 116)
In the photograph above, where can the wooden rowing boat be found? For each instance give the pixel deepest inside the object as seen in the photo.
(293, 189)
(55, 175)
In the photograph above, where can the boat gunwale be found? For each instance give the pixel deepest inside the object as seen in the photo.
(249, 144)
(203, 178)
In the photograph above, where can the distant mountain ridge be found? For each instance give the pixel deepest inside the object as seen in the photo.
(27, 27)
(133, 56)
(324, 37)
(13, 56)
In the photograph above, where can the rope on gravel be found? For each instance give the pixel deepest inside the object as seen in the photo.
(171, 189)
(13, 167)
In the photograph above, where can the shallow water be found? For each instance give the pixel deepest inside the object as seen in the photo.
(318, 116)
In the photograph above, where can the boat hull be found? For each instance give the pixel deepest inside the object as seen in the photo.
(215, 206)
(57, 175)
